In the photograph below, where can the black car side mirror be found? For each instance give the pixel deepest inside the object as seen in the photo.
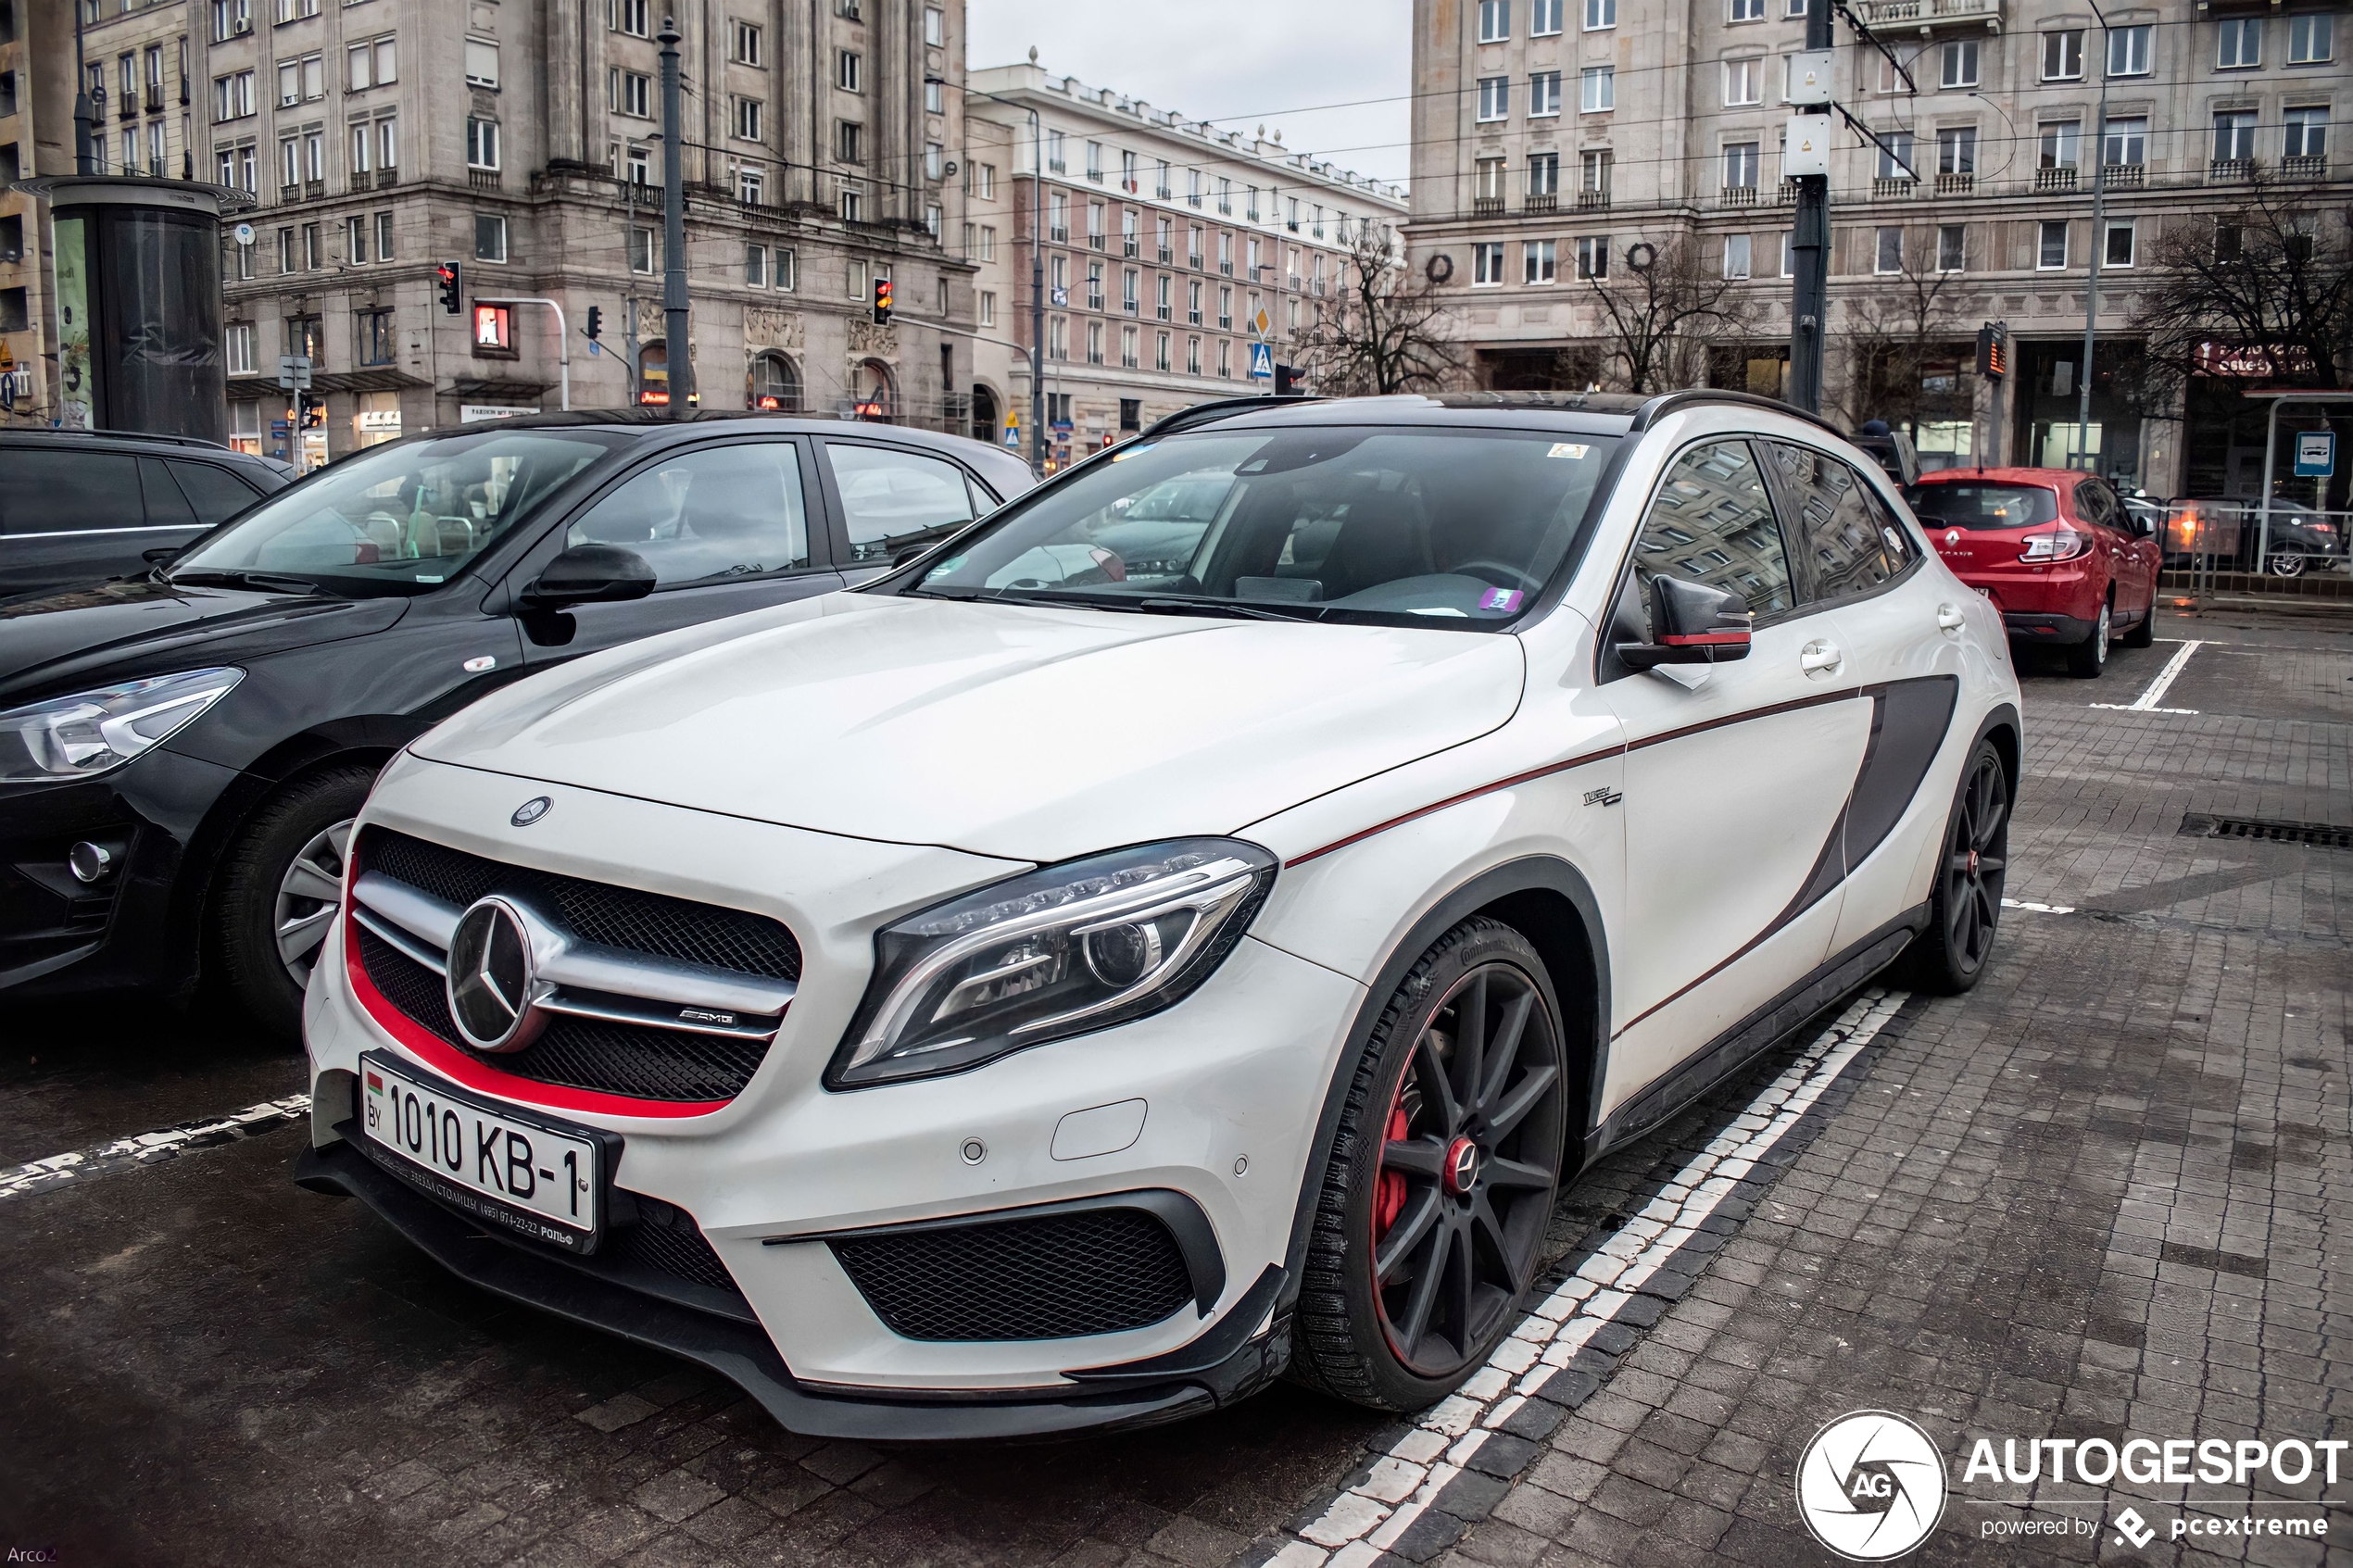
(1693, 623)
(589, 574)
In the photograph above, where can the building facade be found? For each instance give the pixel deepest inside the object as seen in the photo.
(1553, 136)
(1164, 240)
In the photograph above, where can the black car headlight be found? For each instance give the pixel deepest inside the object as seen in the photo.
(1051, 953)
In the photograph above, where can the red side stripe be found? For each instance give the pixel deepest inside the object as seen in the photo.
(1454, 800)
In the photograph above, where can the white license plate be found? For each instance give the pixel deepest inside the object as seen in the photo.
(544, 1181)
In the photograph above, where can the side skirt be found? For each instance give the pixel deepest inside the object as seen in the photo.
(1756, 1035)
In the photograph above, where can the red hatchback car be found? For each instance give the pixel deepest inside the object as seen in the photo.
(2054, 549)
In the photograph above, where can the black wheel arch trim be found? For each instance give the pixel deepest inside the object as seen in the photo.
(1533, 873)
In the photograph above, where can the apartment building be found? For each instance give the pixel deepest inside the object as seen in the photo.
(519, 138)
(1165, 242)
(1552, 136)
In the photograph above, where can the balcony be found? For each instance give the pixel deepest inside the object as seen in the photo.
(386, 179)
(1094, 242)
(2055, 179)
(1195, 262)
(481, 178)
(155, 98)
(1593, 201)
(1737, 196)
(2229, 171)
(1549, 202)
(1956, 184)
(1926, 16)
(289, 194)
(2312, 168)
(1896, 187)
(2124, 176)
(1486, 207)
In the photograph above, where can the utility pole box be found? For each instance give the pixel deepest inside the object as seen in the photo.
(1811, 78)
(1808, 151)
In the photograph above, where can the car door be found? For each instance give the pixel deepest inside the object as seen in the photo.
(71, 514)
(1902, 628)
(726, 525)
(892, 499)
(1735, 774)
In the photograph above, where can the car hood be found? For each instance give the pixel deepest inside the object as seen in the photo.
(134, 626)
(1026, 733)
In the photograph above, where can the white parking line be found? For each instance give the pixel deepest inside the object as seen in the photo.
(2147, 701)
(149, 1149)
(1368, 1518)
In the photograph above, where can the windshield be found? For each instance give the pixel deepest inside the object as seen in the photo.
(1981, 507)
(1441, 528)
(397, 519)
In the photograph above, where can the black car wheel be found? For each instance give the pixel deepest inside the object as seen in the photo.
(1442, 1177)
(1965, 908)
(278, 890)
(2088, 658)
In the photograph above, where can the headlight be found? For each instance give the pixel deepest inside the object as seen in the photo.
(84, 735)
(1049, 954)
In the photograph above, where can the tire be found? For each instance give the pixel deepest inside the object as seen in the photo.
(2088, 658)
(1410, 1278)
(2286, 566)
(285, 870)
(1965, 906)
(2143, 631)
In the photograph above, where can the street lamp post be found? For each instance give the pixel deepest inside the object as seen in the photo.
(2083, 455)
(1037, 280)
(678, 363)
(1809, 249)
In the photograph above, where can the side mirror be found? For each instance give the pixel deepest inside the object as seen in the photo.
(589, 574)
(160, 555)
(1693, 623)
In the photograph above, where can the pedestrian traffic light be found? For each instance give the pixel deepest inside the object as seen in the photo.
(595, 322)
(453, 287)
(1993, 351)
(882, 302)
(1287, 382)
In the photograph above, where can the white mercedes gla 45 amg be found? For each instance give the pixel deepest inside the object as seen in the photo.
(1184, 929)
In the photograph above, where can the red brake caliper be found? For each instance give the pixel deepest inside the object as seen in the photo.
(1388, 1191)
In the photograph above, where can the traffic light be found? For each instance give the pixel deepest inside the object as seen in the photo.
(1993, 350)
(882, 302)
(1287, 382)
(595, 322)
(453, 287)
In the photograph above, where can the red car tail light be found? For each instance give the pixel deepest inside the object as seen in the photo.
(2061, 542)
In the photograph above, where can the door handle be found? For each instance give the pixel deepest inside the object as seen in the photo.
(1820, 658)
(1949, 617)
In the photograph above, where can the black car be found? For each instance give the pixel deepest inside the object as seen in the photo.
(182, 751)
(78, 505)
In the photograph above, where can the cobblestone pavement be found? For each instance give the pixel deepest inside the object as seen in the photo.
(2105, 1195)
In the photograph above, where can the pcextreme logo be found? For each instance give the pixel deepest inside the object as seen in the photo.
(1870, 1486)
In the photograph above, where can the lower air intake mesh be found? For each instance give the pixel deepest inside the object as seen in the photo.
(1052, 1277)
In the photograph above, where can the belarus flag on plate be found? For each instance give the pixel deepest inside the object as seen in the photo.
(375, 1083)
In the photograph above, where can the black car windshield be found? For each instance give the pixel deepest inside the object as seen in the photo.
(401, 519)
(1979, 508)
(1445, 528)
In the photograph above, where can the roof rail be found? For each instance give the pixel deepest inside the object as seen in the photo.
(1217, 408)
(1660, 406)
(124, 435)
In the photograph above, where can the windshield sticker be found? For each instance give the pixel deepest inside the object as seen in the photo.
(1572, 449)
(1505, 600)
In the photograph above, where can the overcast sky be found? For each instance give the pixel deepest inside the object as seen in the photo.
(1240, 62)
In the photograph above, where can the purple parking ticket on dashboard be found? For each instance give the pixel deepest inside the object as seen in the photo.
(1505, 600)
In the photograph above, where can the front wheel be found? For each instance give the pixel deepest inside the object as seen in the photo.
(1441, 1176)
(278, 892)
(2288, 566)
(1965, 905)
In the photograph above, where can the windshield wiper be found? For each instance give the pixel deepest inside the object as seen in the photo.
(1231, 607)
(269, 581)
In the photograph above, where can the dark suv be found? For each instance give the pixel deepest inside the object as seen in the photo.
(182, 752)
(76, 506)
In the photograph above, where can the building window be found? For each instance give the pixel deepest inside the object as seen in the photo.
(2233, 135)
(230, 19)
(1743, 82)
(849, 142)
(1957, 150)
(1789, 254)
(1226, 357)
(2127, 142)
(1748, 11)
(1095, 162)
(934, 95)
(1192, 303)
(1094, 343)
(1592, 170)
(1737, 253)
(355, 239)
(1597, 89)
(748, 40)
(1544, 180)
(1165, 297)
(1952, 248)
(481, 144)
(1740, 165)
(300, 81)
(2311, 40)
(2050, 255)
(1495, 20)
(1160, 352)
(641, 250)
(2118, 249)
(2129, 50)
(1600, 14)
(1128, 349)
(631, 92)
(377, 345)
(490, 237)
(1895, 156)
(1487, 185)
(1888, 257)
(756, 267)
(383, 236)
(482, 63)
(1593, 255)
(1094, 285)
(934, 27)
(748, 113)
(627, 15)
(231, 96)
(1539, 261)
(784, 267)
(2239, 44)
(1543, 94)
(314, 253)
(1958, 65)
(371, 64)
(849, 71)
(237, 346)
(853, 202)
(1494, 98)
(1543, 18)
(2308, 132)
(1130, 293)
(751, 185)
(1487, 263)
(2060, 144)
(987, 308)
(1192, 355)
(2063, 55)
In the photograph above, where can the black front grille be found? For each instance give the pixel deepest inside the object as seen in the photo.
(626, 918)
(1051, 1277)
(577, 1053)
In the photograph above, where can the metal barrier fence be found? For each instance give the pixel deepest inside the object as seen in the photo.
(2207, 538)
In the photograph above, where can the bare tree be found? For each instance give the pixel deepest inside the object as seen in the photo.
(1661, 308)
(2263, 294)
(1386, 329)
(1893, 334)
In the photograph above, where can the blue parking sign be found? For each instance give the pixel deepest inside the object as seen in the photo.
(2315, 454)
(1262, 361)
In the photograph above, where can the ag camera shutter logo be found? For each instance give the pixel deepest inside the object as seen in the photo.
(1870, 1486)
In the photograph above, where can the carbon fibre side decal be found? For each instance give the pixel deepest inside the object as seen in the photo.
(1909, 720)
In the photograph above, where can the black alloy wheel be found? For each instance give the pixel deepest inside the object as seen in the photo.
(1965, 908)
(1442, 1177)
